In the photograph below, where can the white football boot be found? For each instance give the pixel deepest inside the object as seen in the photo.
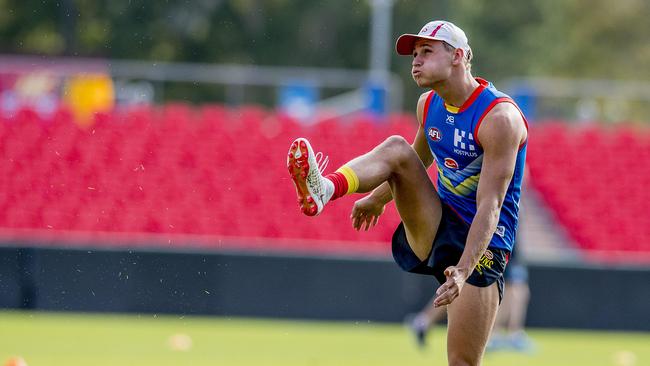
(306, 169)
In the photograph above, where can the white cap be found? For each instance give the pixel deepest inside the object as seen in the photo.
(438, 30)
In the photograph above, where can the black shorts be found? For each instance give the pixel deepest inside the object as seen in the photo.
(448, 246)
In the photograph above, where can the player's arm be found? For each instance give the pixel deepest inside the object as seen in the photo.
(500, 134)
(383, 193)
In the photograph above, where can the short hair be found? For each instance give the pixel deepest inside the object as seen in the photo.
(450, 48)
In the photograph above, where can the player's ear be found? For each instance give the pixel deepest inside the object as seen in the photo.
(459, 56)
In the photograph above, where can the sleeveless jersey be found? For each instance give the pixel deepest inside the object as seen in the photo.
(452, 138)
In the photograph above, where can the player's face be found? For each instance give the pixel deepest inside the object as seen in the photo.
(432, 62)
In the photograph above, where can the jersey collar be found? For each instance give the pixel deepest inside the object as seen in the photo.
(482, 84)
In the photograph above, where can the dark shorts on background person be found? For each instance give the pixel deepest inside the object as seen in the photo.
(448, 246)
(516, 271)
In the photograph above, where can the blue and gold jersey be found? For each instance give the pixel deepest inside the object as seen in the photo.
(452, 137)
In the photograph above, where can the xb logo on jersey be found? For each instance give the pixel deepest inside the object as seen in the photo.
(435, 134)
(449, 120)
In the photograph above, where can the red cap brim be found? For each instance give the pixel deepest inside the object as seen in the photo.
(406, 42)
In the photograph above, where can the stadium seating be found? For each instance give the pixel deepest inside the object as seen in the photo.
(219, 173)
(209, 171)
(595, 180)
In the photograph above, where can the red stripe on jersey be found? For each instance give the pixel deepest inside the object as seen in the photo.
(482, 84)
(489, 108)
(426, 108)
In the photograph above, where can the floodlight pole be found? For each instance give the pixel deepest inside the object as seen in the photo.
(380, 38)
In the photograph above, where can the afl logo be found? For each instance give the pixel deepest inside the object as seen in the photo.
(435, 134)
(451, 163)
(488, 254)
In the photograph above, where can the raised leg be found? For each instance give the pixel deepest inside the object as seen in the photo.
(394, 161)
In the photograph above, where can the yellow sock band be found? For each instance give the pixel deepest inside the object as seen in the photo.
(351, 177)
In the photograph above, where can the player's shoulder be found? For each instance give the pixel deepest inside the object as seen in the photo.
(503, 121)
(422, 102)
(424, 97)
(504, 112)
(492, 90)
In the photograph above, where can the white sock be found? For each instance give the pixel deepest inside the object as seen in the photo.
(328, 188)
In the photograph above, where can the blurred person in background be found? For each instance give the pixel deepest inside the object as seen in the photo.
(461, 233)
(508, 332)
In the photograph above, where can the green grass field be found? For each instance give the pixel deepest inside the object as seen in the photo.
(84, 339)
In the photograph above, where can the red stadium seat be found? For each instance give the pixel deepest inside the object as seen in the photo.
(592, 174)
(184, 170)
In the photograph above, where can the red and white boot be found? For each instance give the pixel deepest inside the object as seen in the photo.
(306, 169)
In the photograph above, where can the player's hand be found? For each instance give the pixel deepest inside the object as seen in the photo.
(450, 290)
(366, 212)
